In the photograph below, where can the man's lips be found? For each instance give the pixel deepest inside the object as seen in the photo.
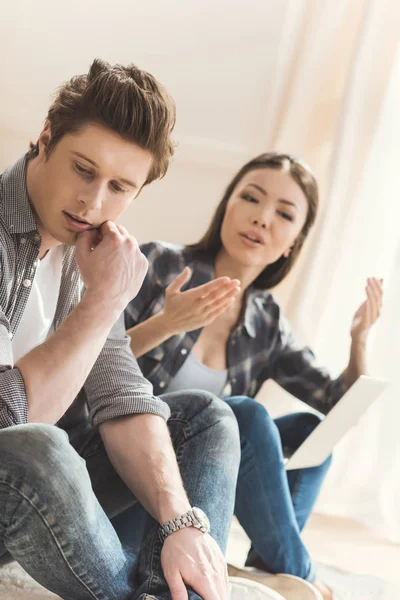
(75, 223)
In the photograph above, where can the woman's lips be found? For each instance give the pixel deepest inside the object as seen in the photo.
(248, 242)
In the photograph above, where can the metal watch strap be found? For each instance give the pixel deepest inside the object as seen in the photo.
(189, 519)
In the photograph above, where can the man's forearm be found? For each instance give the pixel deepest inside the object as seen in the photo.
(141, 451)
(55, 371)
(149, 334)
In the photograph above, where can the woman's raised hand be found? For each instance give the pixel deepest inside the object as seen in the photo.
(198, 307)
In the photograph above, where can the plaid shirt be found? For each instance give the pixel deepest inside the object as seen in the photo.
(261, 346)
(115, 386)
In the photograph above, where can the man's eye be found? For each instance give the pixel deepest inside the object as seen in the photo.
(81, 170)
(116, 187)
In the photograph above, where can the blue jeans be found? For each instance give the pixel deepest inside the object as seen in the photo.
(273, 504)
(58, 494)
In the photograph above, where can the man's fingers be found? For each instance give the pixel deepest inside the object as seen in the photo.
(109, 227)
(176, 586)
(180, 281)
(87, 240)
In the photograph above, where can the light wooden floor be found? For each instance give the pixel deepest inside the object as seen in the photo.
(339, 542)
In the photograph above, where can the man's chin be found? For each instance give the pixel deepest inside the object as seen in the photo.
(67, 238)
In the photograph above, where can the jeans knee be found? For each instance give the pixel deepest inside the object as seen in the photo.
(307, 422)
(219, 413)
(37, 451)
(208, 412)
(255, 422)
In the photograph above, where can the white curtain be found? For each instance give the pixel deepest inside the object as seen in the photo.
(345, 120)
(365, 479)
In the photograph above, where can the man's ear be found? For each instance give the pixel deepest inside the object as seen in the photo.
(44, 139)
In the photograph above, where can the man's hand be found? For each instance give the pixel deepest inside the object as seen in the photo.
(111, 264)
(194, 558)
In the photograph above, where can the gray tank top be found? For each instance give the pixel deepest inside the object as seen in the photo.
(193, 374)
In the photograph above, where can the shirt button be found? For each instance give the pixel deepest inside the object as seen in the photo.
(23, 240)
(162, 384)
(184, 351)
(27, 283)
(234, 380)
(36, 237)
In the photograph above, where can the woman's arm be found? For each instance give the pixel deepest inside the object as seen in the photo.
(295, 369)
(363, 320)
(183, 311)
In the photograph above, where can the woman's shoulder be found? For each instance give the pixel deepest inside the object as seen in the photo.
(165, 257)
(157, 248)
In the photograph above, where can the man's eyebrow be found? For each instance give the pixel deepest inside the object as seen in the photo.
(86, 158)
(92, 162)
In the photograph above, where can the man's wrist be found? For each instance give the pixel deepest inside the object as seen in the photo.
(172, 510)
(194, 517)
(101, 308)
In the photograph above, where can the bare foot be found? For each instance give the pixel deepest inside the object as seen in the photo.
(326, 592)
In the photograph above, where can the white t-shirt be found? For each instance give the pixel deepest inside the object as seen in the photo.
(37, 321)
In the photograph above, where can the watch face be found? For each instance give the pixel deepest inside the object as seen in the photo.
(201, 517)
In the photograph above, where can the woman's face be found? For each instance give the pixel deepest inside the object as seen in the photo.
(264, 215)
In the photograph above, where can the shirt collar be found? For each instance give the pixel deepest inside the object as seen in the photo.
(250, 313)
(16, 208)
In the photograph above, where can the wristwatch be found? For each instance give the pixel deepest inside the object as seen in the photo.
(194, 517)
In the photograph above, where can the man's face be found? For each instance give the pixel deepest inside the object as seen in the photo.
(90, 176)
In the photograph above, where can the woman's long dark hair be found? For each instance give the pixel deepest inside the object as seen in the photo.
(210, 244)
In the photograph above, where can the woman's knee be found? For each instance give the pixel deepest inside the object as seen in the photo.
(253, 419)
(307, 422)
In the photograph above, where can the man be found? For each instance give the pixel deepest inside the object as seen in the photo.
(82, 437)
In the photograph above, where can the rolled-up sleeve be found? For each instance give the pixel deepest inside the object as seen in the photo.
(296, 370)
(13, 403)
(116, 387)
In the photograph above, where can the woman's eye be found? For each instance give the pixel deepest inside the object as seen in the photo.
(249, 198)
(82, 171)
(285, 216)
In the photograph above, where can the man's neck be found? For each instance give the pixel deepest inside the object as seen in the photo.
(48, 242)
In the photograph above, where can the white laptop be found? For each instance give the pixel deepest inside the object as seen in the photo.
(344, 415)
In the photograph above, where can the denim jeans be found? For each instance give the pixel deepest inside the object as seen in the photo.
(58, 494)
(273, 504)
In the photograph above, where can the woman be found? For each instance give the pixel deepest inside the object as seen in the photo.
(226, 333)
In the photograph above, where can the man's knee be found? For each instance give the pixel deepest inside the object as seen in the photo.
(208, 412)
(37, 452)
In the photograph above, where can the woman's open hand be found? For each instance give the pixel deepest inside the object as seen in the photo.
(369, 310)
